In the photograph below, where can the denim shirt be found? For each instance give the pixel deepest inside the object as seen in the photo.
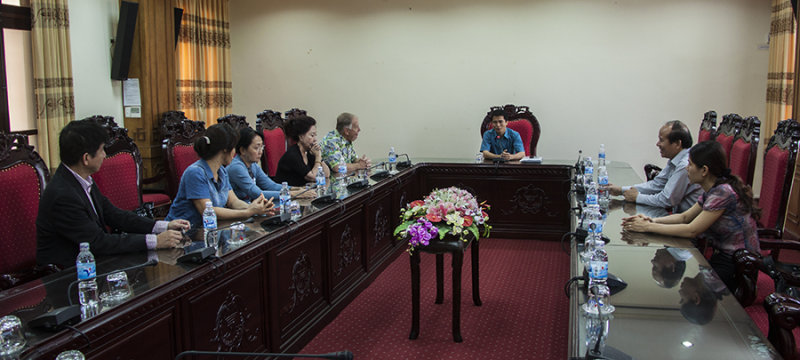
(198, 182)
(250, 182)
(510, 141)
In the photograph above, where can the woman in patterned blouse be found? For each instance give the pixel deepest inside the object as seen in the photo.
(724, 214)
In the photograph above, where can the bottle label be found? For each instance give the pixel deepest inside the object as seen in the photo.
(86, 270)
(602, 180)
(588, 171)
(209, 222)
(342, 168)
(599, 270)
(591, 199)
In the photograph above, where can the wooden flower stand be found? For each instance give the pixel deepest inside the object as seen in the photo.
(456, 247)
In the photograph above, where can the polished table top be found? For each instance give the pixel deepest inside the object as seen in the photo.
(650, 321)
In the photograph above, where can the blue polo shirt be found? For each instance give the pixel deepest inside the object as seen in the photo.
(198, 182)
(510, 141)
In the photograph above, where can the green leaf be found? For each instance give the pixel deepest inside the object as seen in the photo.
(474, 230)
(402, 227)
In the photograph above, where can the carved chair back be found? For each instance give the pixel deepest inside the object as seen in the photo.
(270, 124)
(179, 136)
(120, 176)
(728, 128)
(742, 157)
(23, 175)
(779, 159)
(521, 120)
(237, 122)
(708, 127)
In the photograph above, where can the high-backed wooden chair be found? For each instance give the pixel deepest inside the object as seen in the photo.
(728, 128)
(270, 123)
(708, 127)
(521, 120)
(742, 156)
(294, 112)
(235, 121)
(120, 176)
(179, 136)
(23, 176)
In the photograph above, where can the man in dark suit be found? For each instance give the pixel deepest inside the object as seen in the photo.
(72, 209)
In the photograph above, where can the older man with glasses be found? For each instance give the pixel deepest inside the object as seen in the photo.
(337, 145)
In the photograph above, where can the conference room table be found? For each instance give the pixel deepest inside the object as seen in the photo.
(649, 321)
(276, 291)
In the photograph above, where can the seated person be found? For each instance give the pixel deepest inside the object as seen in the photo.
(700, 295)
(338, 144)
(247, 179)
(723, 213)
(207, 180)
(500, 142)
(72, 209)
(671, 188)
(299, 164)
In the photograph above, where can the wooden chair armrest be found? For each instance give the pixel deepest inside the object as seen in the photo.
(10, 280)
(769, 233)
(778, 244)
(152, 180)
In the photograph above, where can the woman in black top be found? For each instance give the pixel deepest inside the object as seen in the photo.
(299, 164)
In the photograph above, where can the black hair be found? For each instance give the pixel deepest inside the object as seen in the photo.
(497, 112)
(704, 310)
(246, 136)
(672, 276)
(710, 153)
(298, 126)
(219, 137)
(80, 137)
(679, 131)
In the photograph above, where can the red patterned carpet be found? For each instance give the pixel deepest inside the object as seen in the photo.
(524, 313)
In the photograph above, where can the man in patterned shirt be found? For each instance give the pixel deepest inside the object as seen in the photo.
(338, 144)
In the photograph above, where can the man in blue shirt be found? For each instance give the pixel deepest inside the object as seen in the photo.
(501, 142)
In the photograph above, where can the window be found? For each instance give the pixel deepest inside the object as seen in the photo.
(17, 110)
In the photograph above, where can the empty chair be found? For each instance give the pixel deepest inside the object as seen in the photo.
(728, 128)
(23, 175)
(521, 120)
(708, 127)
(179, 136)
(742, 156)
(270, 123)
(120, 176)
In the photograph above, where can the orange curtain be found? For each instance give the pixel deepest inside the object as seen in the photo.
(52, 74)
(780, 79)
(203, 60)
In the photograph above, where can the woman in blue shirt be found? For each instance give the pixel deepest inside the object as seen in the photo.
(247, 178)
(207, 180)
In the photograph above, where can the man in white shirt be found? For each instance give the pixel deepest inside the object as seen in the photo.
(671, 188)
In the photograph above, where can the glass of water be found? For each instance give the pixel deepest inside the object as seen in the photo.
(70, 355)
(118, 286)
(12, 339)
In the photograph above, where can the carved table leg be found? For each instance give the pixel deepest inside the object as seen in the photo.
(414, 295)
(458, 258)
(439, 278)
(476, 294)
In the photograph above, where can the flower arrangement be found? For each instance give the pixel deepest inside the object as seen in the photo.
(444, 211)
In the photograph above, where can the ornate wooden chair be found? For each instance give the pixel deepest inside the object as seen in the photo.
(779, 158)
(23, 175)
(294, 112)
(235, 121)
(730, 126)
(521, 120)
(179, 136)
(270, 123)
(708, 127)
(742, 156)
(120, 177)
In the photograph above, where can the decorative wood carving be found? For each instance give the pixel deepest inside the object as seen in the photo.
(348, 250)
(294, 112)
(176, 128)
(303, 283)
(511, 113)
(381, 228)
(709, 123)
(268, 120)
(230, 329)
(731, 124)
(530, 199)
(235, 121)
(751, 134)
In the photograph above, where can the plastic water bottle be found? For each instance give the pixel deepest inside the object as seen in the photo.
(320, 180)
(598, 277)
(479, 158)
(87, 287)
(286, 197)
(342, 168)
(602, 177)
(588, 171)
(209, 222)
(392, 160)
(591, 194)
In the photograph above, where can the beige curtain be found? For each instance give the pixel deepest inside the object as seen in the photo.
(52, 74)
(780, 79)
(203, 60)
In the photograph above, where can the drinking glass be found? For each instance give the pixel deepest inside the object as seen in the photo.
(70, 355)
(118, 286)
(12, 339)
(237, 235)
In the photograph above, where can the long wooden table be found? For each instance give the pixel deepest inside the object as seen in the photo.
(648, 322)
(280, 289)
